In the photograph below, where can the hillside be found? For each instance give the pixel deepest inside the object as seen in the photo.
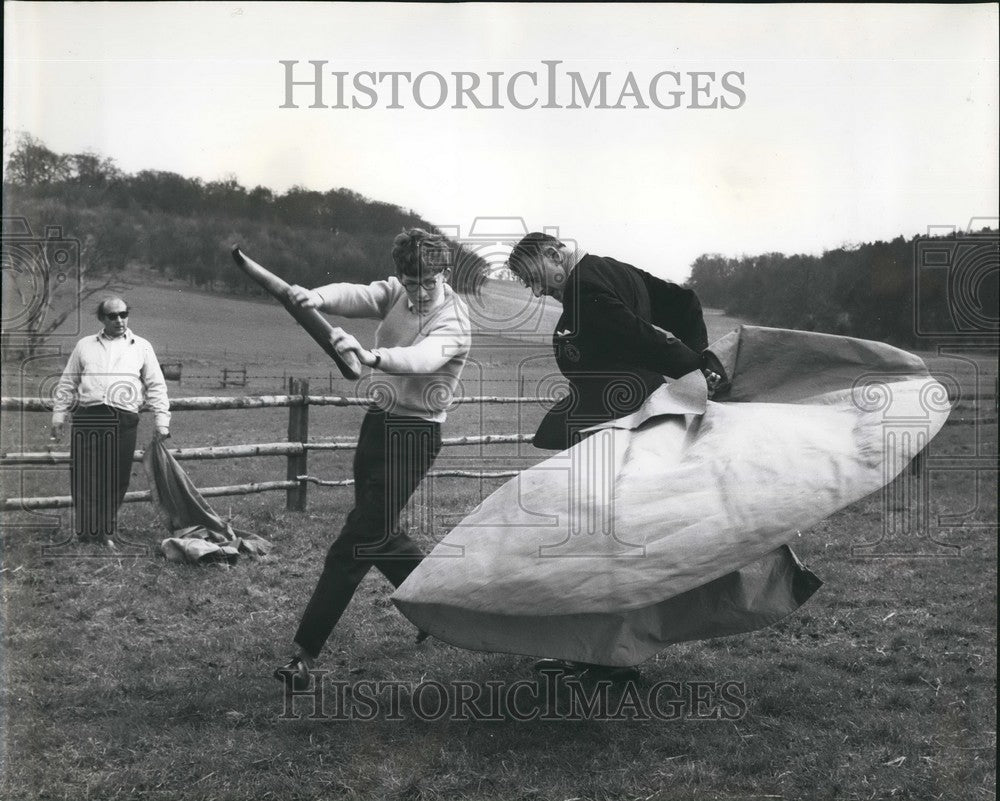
(182, 228)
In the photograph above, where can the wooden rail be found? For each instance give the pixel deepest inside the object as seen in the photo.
(213, 403)
(64, 501)
(259, 449)
(296, 449)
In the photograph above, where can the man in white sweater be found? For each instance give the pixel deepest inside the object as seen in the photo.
(107, 378)
(421, 346)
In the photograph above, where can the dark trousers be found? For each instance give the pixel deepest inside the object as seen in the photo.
(102, 443)
(393, 455)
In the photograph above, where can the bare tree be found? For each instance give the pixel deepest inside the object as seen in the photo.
(59, 300)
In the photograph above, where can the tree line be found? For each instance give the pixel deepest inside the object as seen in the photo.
(899, 291)
(906, 291)
(184, 227)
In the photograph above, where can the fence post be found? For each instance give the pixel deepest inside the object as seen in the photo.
(298, 431)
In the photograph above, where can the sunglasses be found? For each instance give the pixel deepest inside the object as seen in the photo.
(117, 315)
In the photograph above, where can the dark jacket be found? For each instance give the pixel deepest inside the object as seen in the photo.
(621, 331)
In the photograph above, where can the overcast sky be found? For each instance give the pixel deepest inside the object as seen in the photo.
(851, 124)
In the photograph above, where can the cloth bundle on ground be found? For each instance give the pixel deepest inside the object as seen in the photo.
(199, 534)
(672, 524)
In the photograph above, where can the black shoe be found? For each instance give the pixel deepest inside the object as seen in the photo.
(556, 666)
(421, 636)
(294, 675)
(587, 671)
(616, 675)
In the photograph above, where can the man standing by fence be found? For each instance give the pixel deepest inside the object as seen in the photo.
(422, 344)
(105, 382)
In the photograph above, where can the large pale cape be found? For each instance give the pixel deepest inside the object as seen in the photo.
(672, 524)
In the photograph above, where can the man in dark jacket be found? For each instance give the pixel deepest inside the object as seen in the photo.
(621, 331)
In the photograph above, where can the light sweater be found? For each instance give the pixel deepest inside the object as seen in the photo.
(120, 372)
(422, 354)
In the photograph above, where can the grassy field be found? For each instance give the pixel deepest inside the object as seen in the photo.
(131, 677)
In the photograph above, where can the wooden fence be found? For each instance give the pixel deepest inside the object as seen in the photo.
(234, 377)
(297, 446)
(295, 449)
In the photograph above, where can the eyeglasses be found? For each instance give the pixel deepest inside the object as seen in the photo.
(117, 315)
(428, 284)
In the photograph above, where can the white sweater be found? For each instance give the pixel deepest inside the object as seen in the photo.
(422, 355)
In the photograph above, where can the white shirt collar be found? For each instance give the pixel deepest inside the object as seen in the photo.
(127, 336)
